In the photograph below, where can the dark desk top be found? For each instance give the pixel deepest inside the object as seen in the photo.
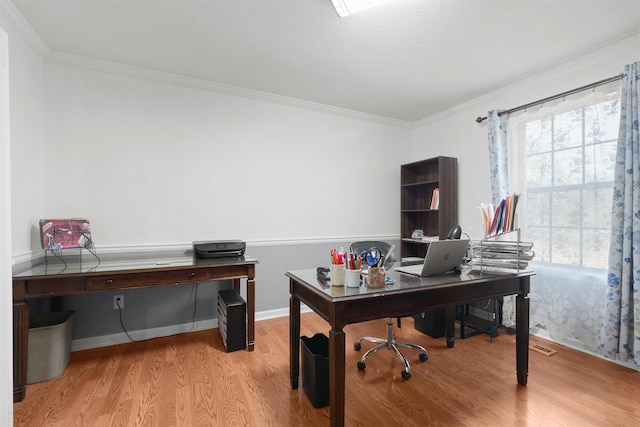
(402, 282)
(57, 268)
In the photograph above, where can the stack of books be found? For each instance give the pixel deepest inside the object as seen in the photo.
(435, 199)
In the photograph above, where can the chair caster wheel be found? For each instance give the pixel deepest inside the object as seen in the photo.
(424, 357)
(361, 365)
(405, 375)
(357, 346)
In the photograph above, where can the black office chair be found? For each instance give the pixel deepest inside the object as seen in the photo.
(389, 342)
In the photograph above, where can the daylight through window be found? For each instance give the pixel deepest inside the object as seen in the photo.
(566, 159)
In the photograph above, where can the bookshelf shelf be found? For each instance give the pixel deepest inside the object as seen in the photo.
(419, 183)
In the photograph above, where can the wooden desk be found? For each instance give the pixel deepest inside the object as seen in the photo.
(407, 295)
(54, 279)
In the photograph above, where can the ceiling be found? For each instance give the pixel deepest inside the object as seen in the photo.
(404, 60)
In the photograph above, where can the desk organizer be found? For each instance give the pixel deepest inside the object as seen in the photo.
(232, 314)
(58, 235)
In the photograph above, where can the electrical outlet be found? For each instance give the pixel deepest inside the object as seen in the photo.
(118, 302)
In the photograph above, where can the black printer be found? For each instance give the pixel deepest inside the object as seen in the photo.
(219, 248)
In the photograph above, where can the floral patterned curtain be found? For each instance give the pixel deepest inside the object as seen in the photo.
(499, 171)
(499, 175)
(620, 333)
(566, 292)
(569, 286)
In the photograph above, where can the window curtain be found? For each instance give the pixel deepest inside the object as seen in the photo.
(620, 333)
(566, 302)
(499, 173)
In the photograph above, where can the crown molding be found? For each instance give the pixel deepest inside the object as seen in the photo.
(22, 28)
(27, 33)
(180, 80)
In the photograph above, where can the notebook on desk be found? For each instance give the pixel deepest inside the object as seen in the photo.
(443, 256)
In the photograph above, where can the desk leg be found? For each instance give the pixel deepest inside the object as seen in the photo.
(336, 376)
(450, 325)
(251, 313)
(20, 349)
(294, 340)
(522, 332)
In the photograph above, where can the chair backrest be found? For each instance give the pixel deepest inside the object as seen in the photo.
(365, 245)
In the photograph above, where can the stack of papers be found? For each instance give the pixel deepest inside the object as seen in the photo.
(501, 254)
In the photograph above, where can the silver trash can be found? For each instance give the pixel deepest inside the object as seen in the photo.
(50, 337)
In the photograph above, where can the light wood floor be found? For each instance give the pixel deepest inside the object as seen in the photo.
(188, 380)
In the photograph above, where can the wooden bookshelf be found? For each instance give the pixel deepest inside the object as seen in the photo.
(418, 181)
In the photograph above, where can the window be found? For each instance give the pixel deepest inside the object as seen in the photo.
(562, 160)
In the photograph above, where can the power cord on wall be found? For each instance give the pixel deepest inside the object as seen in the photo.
(122, 323)
(193, 320)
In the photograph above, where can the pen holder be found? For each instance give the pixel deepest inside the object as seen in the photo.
(337, 274)
(352, 278)
(377, 276)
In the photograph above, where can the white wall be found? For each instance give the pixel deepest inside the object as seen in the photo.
(6, 359)
(455, 133)
(152, 163)
(27, 143)
(21, 184)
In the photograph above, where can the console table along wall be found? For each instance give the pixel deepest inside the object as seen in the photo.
(51, 280)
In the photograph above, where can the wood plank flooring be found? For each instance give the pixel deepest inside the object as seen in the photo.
(188, 380)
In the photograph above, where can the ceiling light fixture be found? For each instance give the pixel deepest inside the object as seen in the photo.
(349, 7)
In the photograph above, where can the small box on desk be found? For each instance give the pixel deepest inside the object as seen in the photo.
(232, 315)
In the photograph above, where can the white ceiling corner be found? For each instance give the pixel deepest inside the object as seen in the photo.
(402, 62)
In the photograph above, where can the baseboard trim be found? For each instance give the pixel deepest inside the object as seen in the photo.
(145, 334)
(544, 334)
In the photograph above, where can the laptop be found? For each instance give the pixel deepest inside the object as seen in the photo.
(443, 256)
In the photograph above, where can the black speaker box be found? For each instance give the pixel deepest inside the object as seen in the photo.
(232, 314)
(430, 322)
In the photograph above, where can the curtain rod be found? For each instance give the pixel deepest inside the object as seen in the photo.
(480, 119)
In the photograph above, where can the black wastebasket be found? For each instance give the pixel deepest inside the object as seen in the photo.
(315, 369)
